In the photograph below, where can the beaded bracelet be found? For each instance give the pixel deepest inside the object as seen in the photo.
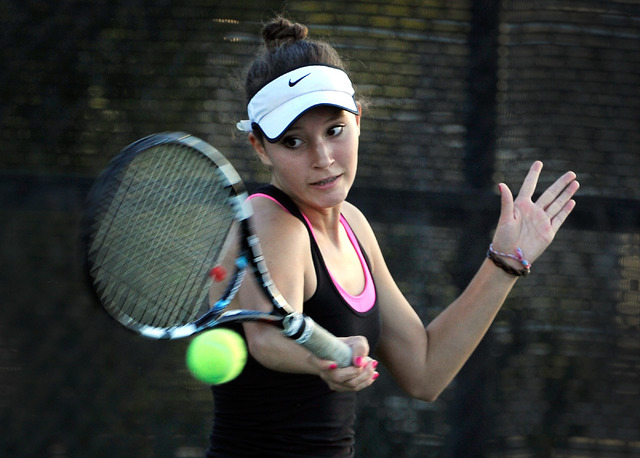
(494, 256)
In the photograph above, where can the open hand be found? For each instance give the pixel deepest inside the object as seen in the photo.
(529, 225)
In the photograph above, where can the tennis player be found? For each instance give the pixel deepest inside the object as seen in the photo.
(304, 125)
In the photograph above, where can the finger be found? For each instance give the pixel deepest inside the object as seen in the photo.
(361, 361)
(530, 181)
(506, 204)
(352, 387)
(562, 215)
(367, 382)
(363, 379)
(370, 375)
(345, 374)
(560, 201)
(345, 379)
(553, 191)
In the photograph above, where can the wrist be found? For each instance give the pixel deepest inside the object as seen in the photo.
(513, 264)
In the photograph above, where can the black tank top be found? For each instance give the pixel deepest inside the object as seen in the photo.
(268, 413)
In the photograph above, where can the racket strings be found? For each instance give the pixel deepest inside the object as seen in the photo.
(168, 221)
(207, 236)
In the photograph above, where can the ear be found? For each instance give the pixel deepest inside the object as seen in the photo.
(359, 116)
(258, 146)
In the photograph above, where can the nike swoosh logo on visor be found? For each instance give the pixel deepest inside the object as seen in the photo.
(291, 84)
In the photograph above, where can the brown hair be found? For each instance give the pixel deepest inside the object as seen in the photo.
(287, 48)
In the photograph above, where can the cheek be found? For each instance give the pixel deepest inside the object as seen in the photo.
(350, 155)
(265, 160)
(288, 168)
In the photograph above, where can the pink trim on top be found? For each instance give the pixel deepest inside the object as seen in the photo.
(364, 301)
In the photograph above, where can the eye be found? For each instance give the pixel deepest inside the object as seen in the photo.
(335, 130)
(291, 142)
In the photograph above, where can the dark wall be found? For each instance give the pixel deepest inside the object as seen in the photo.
(461, 95)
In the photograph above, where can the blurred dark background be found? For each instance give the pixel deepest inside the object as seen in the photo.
(462, 95)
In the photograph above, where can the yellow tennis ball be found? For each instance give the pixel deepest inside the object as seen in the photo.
(216, 356)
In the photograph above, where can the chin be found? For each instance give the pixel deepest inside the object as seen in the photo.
(336, 196)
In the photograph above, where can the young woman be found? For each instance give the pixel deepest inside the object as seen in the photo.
(323, 256)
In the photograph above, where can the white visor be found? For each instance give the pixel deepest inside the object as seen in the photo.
(281, 102)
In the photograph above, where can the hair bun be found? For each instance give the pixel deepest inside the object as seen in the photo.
(282, 31)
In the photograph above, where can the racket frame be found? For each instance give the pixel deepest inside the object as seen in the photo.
(295, 325)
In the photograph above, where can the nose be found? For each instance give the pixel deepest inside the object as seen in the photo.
(323, 154)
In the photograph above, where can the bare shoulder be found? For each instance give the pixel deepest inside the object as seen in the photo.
(270, 219)
(353, 214)
(287, 250)
(360, 226)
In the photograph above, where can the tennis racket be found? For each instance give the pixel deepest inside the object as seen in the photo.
(167, 232)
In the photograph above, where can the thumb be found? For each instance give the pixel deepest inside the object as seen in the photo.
(506, 204)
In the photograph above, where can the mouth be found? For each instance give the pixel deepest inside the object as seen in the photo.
(326, 181)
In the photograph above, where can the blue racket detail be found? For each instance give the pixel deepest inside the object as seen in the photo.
(164, 211)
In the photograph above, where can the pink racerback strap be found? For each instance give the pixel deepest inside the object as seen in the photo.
(364, 301)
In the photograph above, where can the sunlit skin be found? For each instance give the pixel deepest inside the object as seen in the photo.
(315, 164)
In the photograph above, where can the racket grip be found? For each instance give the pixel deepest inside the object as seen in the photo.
(317, 339)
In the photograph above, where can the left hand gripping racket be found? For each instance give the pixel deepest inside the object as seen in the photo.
(167, 232)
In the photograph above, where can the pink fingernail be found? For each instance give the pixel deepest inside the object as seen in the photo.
(375, 375)
(374, 364)
(359, 361)
(333, 366)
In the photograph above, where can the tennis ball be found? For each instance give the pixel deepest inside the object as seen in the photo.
(216, 356)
